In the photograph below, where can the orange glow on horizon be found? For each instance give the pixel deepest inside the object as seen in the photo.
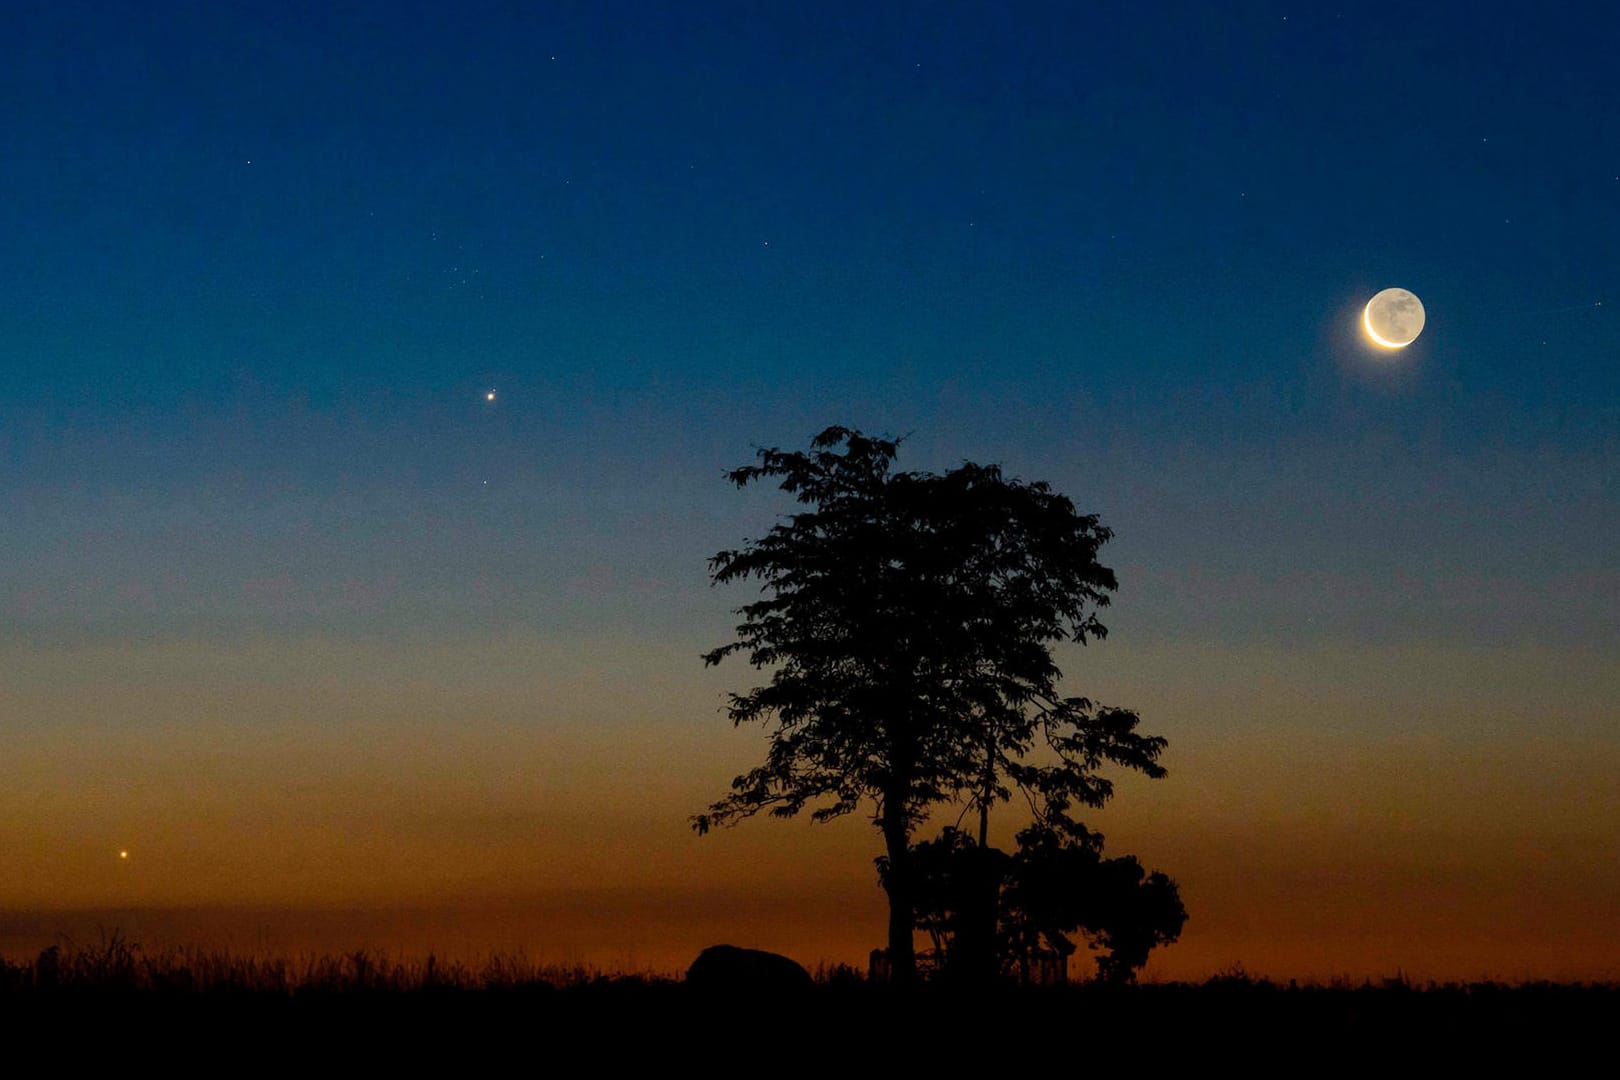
(1319, 824)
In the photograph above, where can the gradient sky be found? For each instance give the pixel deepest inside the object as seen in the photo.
(337, 648)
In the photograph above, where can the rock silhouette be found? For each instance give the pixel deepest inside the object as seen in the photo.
(728, 968)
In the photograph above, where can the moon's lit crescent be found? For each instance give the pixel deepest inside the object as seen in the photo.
(1366, 320)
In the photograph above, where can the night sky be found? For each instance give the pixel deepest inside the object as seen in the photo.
(339, 649)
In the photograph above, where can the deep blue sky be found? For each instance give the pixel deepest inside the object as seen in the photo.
(260, 263)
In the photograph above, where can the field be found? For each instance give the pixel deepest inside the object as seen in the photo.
(113, 997)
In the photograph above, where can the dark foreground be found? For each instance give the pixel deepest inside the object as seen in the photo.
(220, 1012)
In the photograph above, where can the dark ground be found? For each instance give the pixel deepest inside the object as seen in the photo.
(843, 1025)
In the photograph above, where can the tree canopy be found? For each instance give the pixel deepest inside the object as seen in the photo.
(907, 619)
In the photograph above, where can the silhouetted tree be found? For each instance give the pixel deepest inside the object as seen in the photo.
(1060, 884)
(907, 618)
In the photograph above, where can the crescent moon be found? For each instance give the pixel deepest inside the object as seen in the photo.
(1393, 319)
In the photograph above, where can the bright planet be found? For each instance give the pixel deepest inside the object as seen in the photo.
(1394, 318)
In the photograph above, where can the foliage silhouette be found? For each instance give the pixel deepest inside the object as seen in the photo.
(988, 913)
(1058, 885)
(908, 618)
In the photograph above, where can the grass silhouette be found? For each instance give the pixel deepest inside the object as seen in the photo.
(116, 964)
(217, 998)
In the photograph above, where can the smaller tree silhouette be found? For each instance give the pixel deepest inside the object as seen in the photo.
(1150, 914)
(1060, 885)
(986, 911)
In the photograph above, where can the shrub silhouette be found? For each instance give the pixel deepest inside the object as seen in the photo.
(987, 912)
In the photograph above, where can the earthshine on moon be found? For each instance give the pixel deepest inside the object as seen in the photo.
(1394, 318)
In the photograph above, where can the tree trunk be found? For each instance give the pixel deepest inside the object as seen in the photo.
(902, 913)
